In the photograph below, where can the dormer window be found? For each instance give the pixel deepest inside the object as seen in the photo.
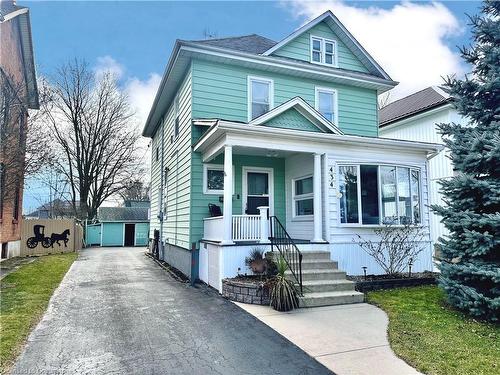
(323, 51)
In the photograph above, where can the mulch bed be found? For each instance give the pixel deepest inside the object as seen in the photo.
(378, 282)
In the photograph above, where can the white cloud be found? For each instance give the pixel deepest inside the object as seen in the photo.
(106, 64)
(142, 94)
(407, 40)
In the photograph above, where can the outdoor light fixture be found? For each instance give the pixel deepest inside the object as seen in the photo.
(364, 270)
(410, 263)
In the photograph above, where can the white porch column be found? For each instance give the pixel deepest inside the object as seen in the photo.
(318, 219)
(228, 196)
(264, 225)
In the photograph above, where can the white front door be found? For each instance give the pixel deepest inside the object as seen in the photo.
(258, 190)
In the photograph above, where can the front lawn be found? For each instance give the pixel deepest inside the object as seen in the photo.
(25, 294)
(435, 339)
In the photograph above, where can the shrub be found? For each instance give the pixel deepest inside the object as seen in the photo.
(283, 291)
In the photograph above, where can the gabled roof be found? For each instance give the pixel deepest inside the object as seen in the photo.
(421, 101)
(347, 38)
(8, 13)
(304, 109)
(123, 214)
(247, 43)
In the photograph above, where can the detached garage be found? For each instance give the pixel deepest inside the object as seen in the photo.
(119, 226)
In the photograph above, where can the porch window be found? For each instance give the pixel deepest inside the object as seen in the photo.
(303, 198)
(260, 96)
(323, 51)
(213, 179)
(372, 194)
(326, 103)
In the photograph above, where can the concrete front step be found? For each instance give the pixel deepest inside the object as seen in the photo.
(330, 298)
(309, 264)
(312, 255)
(317, 286)
(320, 274)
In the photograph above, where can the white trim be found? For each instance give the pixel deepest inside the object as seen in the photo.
(327, 15)
(304, 109)
(244, 186)
(293, 140)
(123, 237)
(270, 82)
(218, 167)
(301, 197)
(317, 90)
(322, 51)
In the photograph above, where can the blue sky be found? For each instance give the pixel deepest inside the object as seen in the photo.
(415, 42)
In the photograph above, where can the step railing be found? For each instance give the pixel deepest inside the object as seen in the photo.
(281, 240)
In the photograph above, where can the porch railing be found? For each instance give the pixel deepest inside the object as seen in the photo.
(287, 248)
(246, 227)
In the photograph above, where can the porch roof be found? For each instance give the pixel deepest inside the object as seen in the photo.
(250, 136)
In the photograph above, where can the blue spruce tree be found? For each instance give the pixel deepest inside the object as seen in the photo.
(470, 255)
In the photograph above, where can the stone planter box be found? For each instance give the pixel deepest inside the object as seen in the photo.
(369, 285)
(245, 292)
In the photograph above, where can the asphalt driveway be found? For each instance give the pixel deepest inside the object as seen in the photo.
(117, 312)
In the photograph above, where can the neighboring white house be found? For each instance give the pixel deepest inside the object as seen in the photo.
(415, 118)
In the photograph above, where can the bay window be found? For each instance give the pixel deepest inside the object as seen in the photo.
(373, 195)
(303, 196)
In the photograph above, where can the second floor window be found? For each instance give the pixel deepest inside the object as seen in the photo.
(323, 51)
(326, 103)
(260, 96)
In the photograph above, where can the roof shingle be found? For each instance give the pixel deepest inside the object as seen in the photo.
(420, 101)
(253, 43)
(123, 214)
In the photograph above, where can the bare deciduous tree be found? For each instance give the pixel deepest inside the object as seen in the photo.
(395, 246)
(95, 139)
(136, 190)
(384, 100)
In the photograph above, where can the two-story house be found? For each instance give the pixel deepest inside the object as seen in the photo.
(18, 93)
(256, 141)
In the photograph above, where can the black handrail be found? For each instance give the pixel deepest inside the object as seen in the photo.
(281, 240)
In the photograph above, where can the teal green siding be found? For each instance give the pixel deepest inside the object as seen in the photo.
(93, 234)
(112, 234)
(177, 159)
(299, 48)
(220, 91)
(292, 119)
(141, 234)
(200, 201)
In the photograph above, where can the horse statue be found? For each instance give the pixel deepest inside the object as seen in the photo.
(64, 236)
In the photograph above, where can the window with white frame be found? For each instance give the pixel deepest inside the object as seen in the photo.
(379, 194)
(260, 96)
(213, 179)
(303, 196)
(326, 103)
(323, 51)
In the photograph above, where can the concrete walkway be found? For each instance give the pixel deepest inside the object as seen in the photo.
(348, 339)
(118, 312)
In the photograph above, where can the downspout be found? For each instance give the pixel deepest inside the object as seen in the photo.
(160, 211)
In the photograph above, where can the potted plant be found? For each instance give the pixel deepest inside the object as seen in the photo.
(283, 295)
(256, 261)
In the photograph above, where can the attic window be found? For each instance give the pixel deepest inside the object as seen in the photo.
(323, 51)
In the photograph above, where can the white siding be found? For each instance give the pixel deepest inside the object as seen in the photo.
(297, 166)
(424, 128)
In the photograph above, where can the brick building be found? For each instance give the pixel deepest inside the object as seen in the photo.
(18, 93)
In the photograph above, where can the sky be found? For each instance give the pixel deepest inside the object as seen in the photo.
(415, 42)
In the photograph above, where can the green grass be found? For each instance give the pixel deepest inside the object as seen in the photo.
(434, 338)
(25, 294)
